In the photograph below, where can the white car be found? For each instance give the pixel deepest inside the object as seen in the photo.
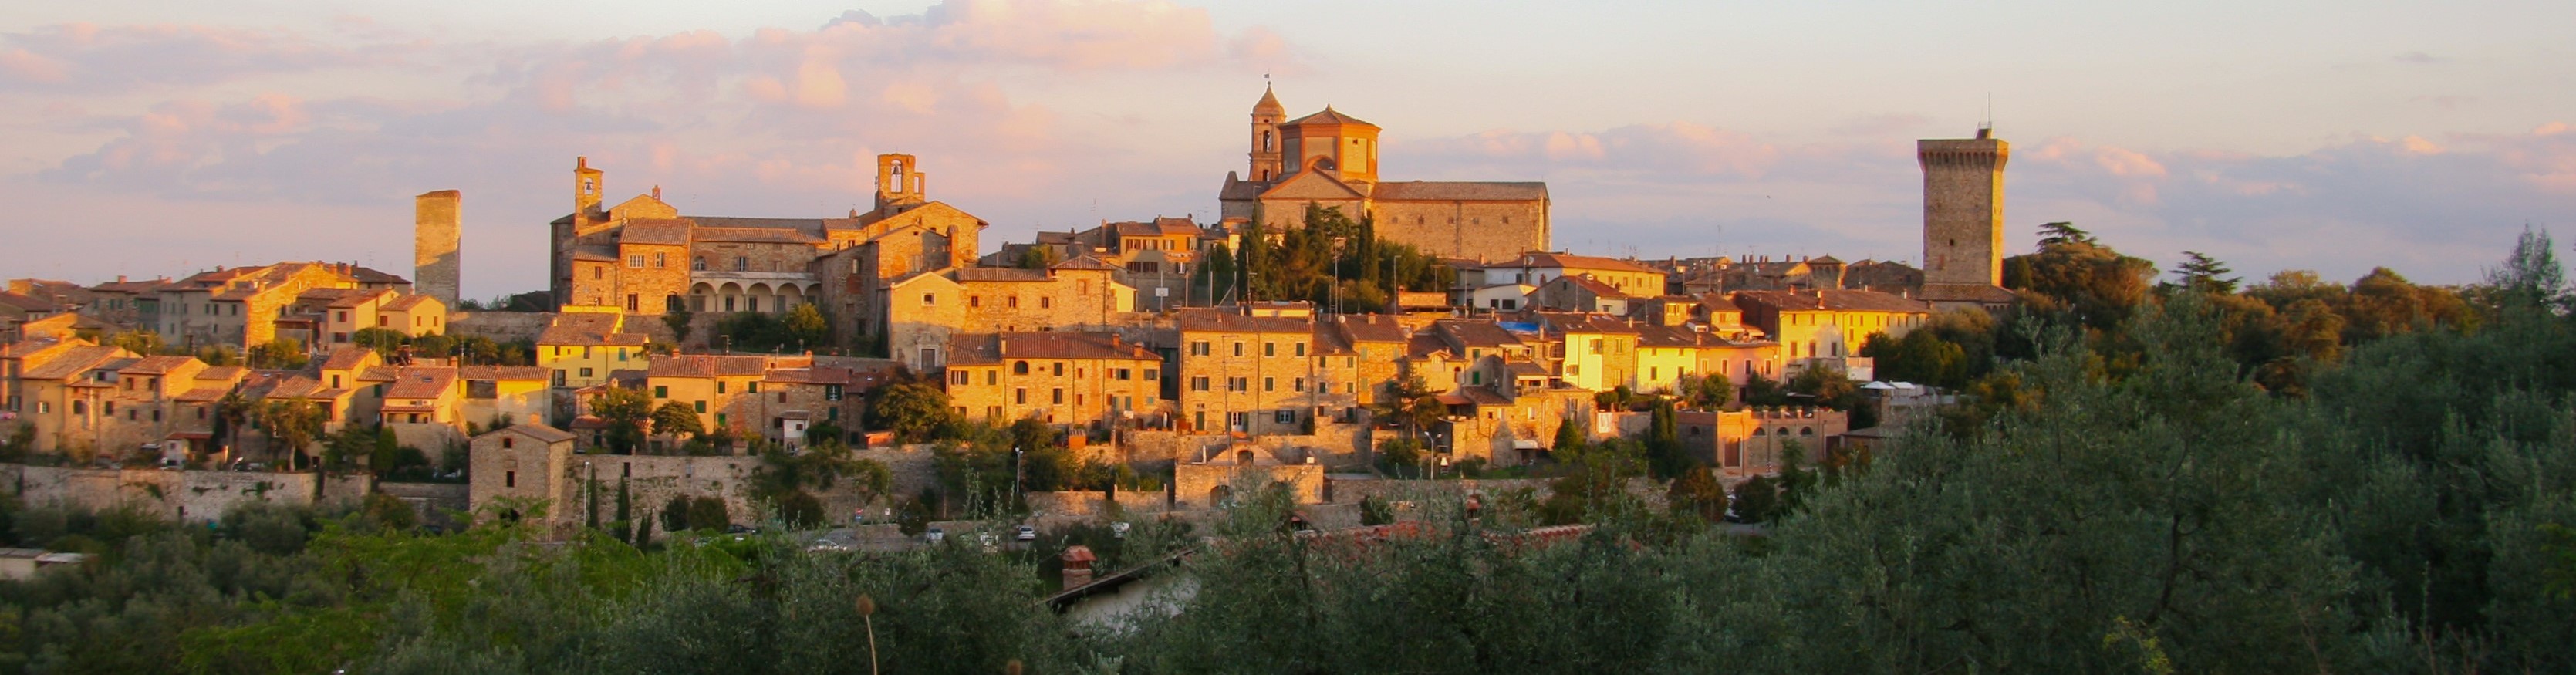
(1027, 533)
(935, 535)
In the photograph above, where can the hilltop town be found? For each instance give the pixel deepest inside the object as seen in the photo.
(1436, 330)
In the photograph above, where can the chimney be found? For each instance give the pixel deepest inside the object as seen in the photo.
(657, 192)
(120, 278)
(1077, 566)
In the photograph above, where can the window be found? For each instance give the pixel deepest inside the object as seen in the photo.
(1020, 368)
(1059, 369)
(720, 420)
(1301, 349)
(660, 259)
(1298, 384)
(832, 392)
(509, 479)
(1125, 374)
(993, 376)
(585, 372)
(929, 299)
(1198, 384)
(701, 406)
(1045, 302)
(698, 264)
(1269, 349)
(741, 264)
(1153, 375)
(958, 377)
(974, 301)
(631, 302)
(1019, 397)
(1270, 384)
(720, 386)
(1059, 396)
(1284, 417)
(635, 261)
(661, 391)
(1238, 348)
(1199, 348)
(1238, 384)
(1014, 302)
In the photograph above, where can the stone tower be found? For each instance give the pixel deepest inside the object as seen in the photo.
(900, 184)
(587, 184)
(1963, 212)
(1266, 117)
(435, 264)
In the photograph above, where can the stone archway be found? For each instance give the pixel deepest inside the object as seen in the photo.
(1221, 496)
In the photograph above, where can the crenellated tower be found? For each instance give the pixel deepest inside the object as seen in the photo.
(1963, 211)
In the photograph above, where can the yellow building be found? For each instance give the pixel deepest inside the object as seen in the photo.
(582, 348)
(1829, 323)
(1057, 378)
(708, 384)
(1594, 352)
(1250, 374)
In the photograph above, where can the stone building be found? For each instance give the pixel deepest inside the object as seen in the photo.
(642, 256)
(1963, 219)
(1248, 373)
(1057, 378)
(523, 465)
(242, 306)
(1330, 159)
(581, 348)
(1751, 441)
(924, 309)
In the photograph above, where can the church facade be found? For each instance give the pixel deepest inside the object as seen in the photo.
(1330, 159)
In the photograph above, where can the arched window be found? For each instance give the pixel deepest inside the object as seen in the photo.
(1806, 431)
(1268, 144)
(1020, 368)
(699, 264)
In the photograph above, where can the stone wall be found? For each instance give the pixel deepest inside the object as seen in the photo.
(433, 501)
(186, 496)
(1201, 486)
(499, 326)
(1088, 503)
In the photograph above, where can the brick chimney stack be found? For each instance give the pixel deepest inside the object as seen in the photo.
(1077, 566)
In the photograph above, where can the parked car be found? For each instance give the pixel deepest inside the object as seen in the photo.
(1027, 533)
(985, 539)
(935, 535)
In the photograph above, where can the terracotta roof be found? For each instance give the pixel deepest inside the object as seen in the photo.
(1240, 190)
(763, 223)
(492, 373)
(1329, 342)
(1464, 191)
(156, 365)
(1598, 289)
(221, 373)
(536, 432)
(1203, 320)
(368, 276)
(814, 375)
(754, 235)
(1328, 116)
(422, 382)
(1160, 227)
(1475, 333)
(1833, 300)
(133, 287)
(25, 303)
(1425, 344)
(71, 362)
(203, 394)
(1525, 368)
(706, 365)
(1482, 395)
(1668, 336)
(999, 274)
(22, 348)
(1372, 328)
(347, 358)
(659, 231)
(407, 303)
(598, 253)
(1569, 261)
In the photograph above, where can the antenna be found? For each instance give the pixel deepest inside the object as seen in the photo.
(1986, 129)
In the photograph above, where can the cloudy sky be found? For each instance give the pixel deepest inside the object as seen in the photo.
(159, 138)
